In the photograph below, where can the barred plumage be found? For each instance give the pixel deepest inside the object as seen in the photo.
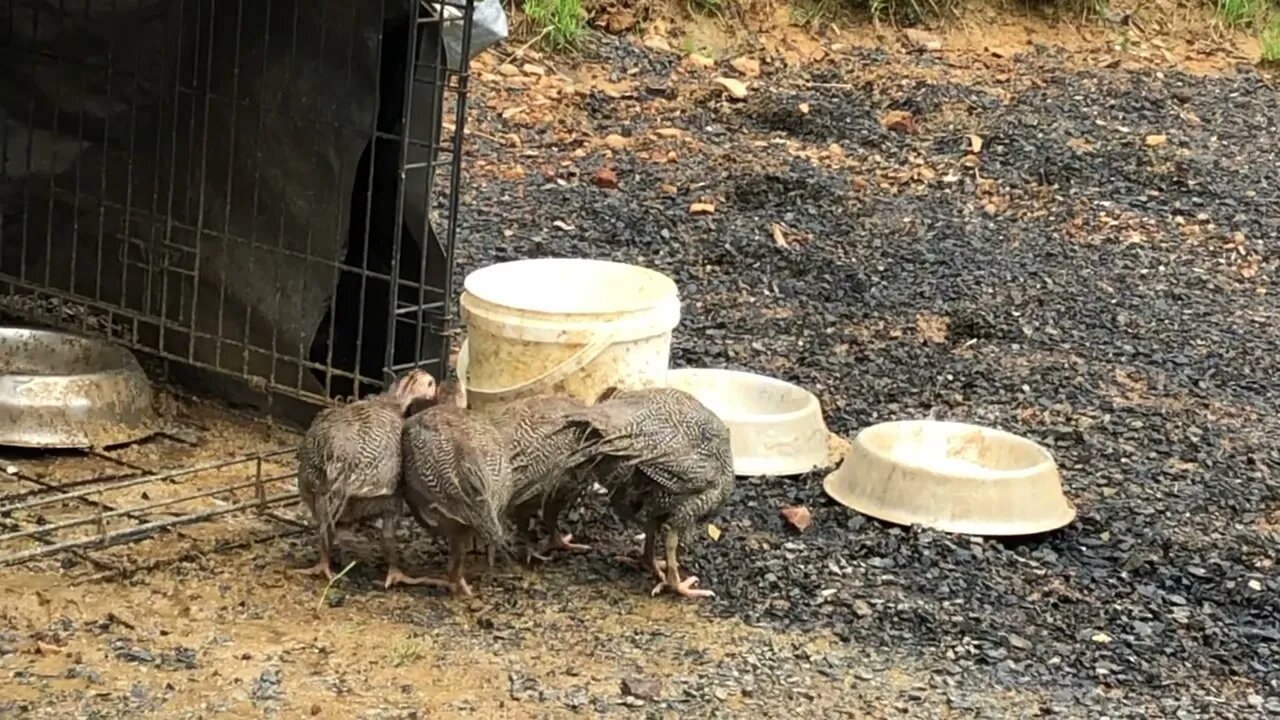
(666, 460)
(349, 466)
(547, 455)
(457, 480)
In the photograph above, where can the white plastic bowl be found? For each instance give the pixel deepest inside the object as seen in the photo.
(954, 477)
(775, 428)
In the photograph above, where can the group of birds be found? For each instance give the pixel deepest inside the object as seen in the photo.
(506, 475)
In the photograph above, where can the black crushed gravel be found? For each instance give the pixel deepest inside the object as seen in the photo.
(1107, 295)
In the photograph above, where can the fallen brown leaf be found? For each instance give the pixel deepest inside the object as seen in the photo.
(748, 67)
(778, 238)
(798, 516)
(898, 121)
(605, 178)
(736, 88)
(702, 208)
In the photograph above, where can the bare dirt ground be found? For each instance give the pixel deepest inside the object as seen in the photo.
(1092, 270)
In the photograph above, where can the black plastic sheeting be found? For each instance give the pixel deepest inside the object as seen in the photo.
(198, 160)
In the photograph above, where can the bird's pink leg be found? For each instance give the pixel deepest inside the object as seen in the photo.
(685, 587)
(322, 566)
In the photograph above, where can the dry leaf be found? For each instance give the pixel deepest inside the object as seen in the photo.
(803, 108)
(699, 61)
(531, 69)
(668, 132)
(1249, 269)
(713, 532)
(605, 178)
(778, 238)
(798, 516)
(702, 208)
(898, 121)
(668, 189)
(975, 144)
(735, 88)
(1156, 140)
(922, 39)
(657, 42)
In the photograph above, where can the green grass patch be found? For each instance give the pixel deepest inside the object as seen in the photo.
(560, 23)
(1241, 13)
(1270, 40)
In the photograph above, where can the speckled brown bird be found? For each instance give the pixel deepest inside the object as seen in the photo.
(547, 455)
(349, 467)
(457, 479)
(665, 459)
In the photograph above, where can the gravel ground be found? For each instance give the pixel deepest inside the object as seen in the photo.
(1082, 255)
(1096, 277)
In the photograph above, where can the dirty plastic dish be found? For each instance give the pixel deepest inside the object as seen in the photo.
(60, 390)
(953, 477)
(775, 428)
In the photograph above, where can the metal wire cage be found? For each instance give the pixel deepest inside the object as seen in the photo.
(233, 185)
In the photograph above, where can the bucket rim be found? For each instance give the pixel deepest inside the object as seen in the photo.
(484, 285)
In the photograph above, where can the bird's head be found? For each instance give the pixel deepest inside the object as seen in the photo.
(415, 386)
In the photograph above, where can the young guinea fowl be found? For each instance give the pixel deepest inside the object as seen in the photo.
(457, 479)
(548, 455)
(666, 461)
(349, 467)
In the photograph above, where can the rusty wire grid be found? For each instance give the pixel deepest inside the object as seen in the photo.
(260, 194)
(86, 502)
(232, 185)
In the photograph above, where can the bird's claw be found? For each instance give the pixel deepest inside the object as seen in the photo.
(396, 577)
(562, 542)
(320, 568)
(685, 588)
(461, 588)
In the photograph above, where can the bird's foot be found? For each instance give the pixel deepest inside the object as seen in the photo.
(562, 542)
(659, 567)
(396, 577)
(460, 587)
(320, 568)
(685, 588)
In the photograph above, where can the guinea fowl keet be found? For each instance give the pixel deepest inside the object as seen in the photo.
(457, 479)
(349, 467)
(666, 461)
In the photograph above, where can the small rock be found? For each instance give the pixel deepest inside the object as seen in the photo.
(508, 70)
(862, 608)
(1156, 140)
(748, 67)
(668, 132)
(720, 694)
(1019, 642)
(531, 69)
(1255, 701)
(615, 142)
(605, 178)
(899, 121)
(316, 709)
(798, 516)
(643, 688)
(1101, 638)
(736, 88)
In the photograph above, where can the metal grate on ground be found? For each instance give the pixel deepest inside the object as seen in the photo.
(85, 503)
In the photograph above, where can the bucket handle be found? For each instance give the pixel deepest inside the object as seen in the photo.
(569, 366)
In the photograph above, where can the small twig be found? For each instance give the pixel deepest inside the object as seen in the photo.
(333, 580)
(520, 51)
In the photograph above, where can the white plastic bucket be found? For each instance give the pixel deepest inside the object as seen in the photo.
(564, 325)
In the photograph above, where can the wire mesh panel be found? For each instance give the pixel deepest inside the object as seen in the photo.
(233, 185)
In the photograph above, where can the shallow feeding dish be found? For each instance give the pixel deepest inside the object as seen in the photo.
(62, 390)
(775, 428)
(953, 477)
